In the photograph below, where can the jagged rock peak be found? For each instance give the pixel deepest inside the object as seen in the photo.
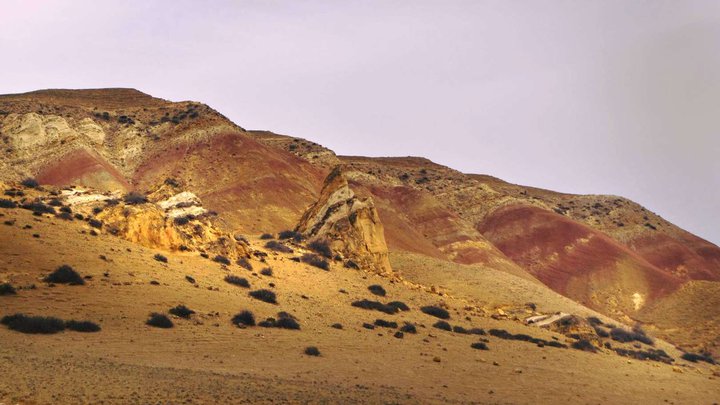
(349, 224)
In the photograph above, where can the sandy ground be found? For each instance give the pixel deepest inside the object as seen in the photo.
(208, 360)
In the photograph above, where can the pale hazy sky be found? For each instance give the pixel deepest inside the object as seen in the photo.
(612, 97)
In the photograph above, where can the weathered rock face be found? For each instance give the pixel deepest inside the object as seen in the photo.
(351, 225)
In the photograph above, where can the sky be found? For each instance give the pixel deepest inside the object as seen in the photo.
(578, 96)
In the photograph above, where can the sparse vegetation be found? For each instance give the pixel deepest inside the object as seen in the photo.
(315, 260)
(5, 203)
(244, 263)
(238, 281)
(264, 296)
(95, 223)
(503, 334)
(82, 326)
(181, 311)
(408, 328)
(296, 236)
(33, 324)
(267, 272)
(479, 346)
(435, 311)
(64, 275)
(221, 259)
(377, 290)
(245, 318)
(312, 351)
(30, 182)
(695, 357)
(650, 354)
(38, 208)
(399, 305)
(626, 336)
(336, 326)
(386, 324)
(133, 198)
(278, 247)
(160, 258)
(266, 236)
(584, 345)
(284, 321)
(321, 247)
(442, 325)
(159, 321)
(7, 289)
(375, 305)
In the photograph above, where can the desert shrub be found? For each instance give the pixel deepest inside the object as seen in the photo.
(221, 259)
(375, 305)
(477, 331)
(593, 320)
(244, 318)
(296, 236)
(385, 324)
(159, 321)
(553, 343)
(601, 332)
(5, 203)
(65, 275)
(479, 346)
(79, 217)
(503, 334)
(312, 351)
(435, 311)
(459, 329)
(408, 328)
(584, 345)
(626, 336)
(368, 326)
(134, 197)
(442, 325)
(171, 182)
(184, 220)
(33, 324)
(65, 216)
(55, 202)
(160, 258)
(95, 223)
(244, 263)
(377, 290)
(238, 281)
(267, 272)
(650, 354)
(315, 260)
(13, 192)
(30, 182)
(190, 279)
(264, 296)
(398, 305)
(181, 311)
(38, 208)
(695, 357)
(322, 247)
(350, 264)
(7, 289)
(82, 326)
(278, 247)
(66, 209)
(240, 238)
(399, 335)
(284, 321)
(336, 326)
(266, 236)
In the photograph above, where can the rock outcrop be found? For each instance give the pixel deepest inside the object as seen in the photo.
(349, 224)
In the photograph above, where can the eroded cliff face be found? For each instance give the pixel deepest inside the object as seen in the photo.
(349, 224)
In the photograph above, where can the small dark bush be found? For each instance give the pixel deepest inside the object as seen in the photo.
(160, 258)
(625, 336)
(65, 216)
(181, 220)
(221, 259)
(386, 324)
(315, 260)
(312, 351)
(336, 326)
(33, 324)
(377, 290)
(266, 236)
(39, 208)
(7, 289)
(436, 312)
(322, 247)
(244, 318)
(244, 263)
(65, 275)
(278, 247)
(181, 311)
(264, 296)
(584, 345)
(82, 326)
(477, 331)
(375, 305)
(95, 223)
(238, 281)
(284, 321)
(600, 331)
(695, 357)
(479, 346)
(66, 209)
(399, 305)
(399, 335)
(159, 321)
(4, 203)
(14, 193)
(650, 354)
(190, 279)
(134, 197)
(266, 272)
(55, 203)
(442, 325)
(30, 182)
(351, 265)
(296, 236)
(593, 320)
(408, 328)
(503, 334)
(459, 329)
